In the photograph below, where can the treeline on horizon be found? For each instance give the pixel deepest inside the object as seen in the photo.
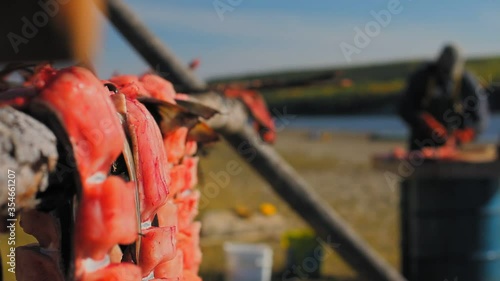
(373, 89)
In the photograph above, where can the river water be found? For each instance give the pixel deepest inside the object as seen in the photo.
(385, 126)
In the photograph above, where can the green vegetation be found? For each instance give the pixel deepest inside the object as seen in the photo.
(370, 88)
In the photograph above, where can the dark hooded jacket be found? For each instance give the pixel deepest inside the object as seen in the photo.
(455, 104)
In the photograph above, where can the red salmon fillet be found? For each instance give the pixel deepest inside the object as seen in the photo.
(178, 177)
(175, 144)
(158, 245)
(192, 171)
(115, 272)
(187, 204)
(172, 269)
(151, 161)
(190, 276)
(158, 87)
(129, 85)
(188, 241)
(167, 215)
(257, 107)
(88, 114)
(105, 217)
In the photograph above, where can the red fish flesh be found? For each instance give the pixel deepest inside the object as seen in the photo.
(188, 208)
(167, 215)
(175, 144)
(171, 269)
(188, 241)
(105, 217)
(115, 272)
(88, 115)
(150, 157)
(158, 245)
(158, 87)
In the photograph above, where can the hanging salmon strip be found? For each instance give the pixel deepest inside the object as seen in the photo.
(87, 113)
(151, 161)
(105, 217)
(157, 246)
(129, 85)
(189, 243)
(188, 208)
(184, 176)
(172, 269)
(158, 87)
(191, 147)
(192, 171)
(190, 276)
(167, 215)
(175, 144)
(115, 272)
(180, 179)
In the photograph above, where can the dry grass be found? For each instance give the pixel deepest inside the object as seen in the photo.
(338, 167)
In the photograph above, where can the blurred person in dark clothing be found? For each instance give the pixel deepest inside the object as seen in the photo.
(443, 103)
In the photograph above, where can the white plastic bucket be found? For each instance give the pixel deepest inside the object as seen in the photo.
(248, 262)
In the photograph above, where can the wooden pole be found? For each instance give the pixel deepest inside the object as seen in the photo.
(290, 186)
(285, 181)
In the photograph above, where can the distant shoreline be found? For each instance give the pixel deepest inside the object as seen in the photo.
(361, 89)
(295, 70)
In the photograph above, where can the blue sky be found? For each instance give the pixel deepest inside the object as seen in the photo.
(267, 35)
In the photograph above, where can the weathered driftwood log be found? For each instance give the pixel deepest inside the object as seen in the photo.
(28, 150)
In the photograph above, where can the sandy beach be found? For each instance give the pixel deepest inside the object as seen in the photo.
(338, 167)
